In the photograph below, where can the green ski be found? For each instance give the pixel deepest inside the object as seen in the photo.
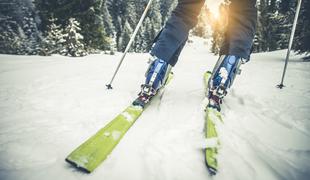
(212, 143)
(96, 149)
(88, 156)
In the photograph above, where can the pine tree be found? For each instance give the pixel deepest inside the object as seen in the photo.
(96, 26)
(125, 36)
(265, 26)
(18, 27)
(140, 43)
(274, 25)
(129, 20)
(10, 42)
(123, 11)
(102, 22)
(302, 37)
(53, 42)
(124, 18)
(166, 8)
(149, 29)
(155, 24)
(73, 45)
(29, 34)
(107, 18)
(93, 15)
(115, 8)
(47, 9)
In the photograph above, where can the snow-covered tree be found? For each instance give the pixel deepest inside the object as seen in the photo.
(113, 45)
(10, 41)
(166, 8)
(124, 18)
(73, 45)
(154, 25)
(275, 18)
(149, 29)
(302, 38)
(53, 42)
(96, 26)
(125, 36)
(18, 27)
(94, 17)
(115, 8)
(107, 19)
(29, 34)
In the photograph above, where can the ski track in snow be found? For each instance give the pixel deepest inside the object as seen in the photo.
(50, 105)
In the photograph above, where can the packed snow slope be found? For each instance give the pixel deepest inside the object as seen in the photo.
(50, 105)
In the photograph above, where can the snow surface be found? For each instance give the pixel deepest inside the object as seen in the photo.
(50, 105)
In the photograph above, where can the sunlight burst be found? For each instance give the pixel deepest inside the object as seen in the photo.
(213, 6)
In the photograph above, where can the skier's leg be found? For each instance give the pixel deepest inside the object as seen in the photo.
(235, 50)
(168, 46)
(241, 28)
(175, 33)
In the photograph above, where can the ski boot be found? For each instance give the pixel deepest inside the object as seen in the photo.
(156, 78)
(223, 75)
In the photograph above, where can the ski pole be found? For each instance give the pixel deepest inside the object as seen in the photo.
(281, 85)
(109, 86)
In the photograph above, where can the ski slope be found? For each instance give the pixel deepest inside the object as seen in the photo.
(50, 105)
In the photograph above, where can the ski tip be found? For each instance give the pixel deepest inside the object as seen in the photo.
(82, 169)
(212, 171)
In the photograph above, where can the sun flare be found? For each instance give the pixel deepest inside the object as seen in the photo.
(213, 6)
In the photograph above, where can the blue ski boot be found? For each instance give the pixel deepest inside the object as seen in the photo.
(156, 77)
(223, 75)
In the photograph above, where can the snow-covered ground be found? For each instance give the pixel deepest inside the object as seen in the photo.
(49, 105)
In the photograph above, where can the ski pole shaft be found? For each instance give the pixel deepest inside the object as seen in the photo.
(109, 86)
(281, 85)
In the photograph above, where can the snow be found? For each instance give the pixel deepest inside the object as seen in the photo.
(50, 105)
(127, 116)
